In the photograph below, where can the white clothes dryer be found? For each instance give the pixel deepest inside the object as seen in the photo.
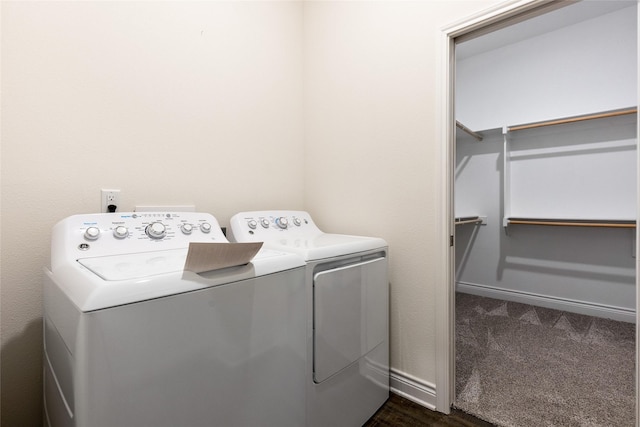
(131, 339)
(348, 312)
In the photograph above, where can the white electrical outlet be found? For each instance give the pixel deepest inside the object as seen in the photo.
(109, 198)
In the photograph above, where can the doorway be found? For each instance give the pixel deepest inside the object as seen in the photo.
(486, 24)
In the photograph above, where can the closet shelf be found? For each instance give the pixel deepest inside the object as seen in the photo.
(574, 119)
(568, 219)
(476, 135)
(470, 220)
(572, 222)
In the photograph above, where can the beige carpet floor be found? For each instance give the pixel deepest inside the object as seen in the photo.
(519, 365)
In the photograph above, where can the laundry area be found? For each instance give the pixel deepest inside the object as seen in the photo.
(207, 120)
(546, 206)
(155, 318)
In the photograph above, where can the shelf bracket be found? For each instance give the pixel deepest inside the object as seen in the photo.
(476, 135)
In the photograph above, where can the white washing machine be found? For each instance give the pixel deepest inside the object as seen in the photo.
(131, 339)
(348, 306)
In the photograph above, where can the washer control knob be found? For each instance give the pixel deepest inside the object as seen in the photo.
(264, 222)
(282, 222)
(92, 233)
(120, 232)
(156, 230)
(205, 227)
(252, 224)
(297, 221)
(186, 228)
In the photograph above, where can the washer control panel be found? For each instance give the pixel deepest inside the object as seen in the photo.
(269, 225)
(82, 236)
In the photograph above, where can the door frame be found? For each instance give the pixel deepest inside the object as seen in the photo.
(483, 22)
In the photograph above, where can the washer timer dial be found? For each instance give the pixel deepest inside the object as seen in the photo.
(282, 222)
(156, 230)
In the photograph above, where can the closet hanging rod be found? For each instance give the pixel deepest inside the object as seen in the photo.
(573, 223)
(573, 119)
(476, 135)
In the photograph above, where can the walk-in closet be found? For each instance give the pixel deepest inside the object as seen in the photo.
(545, 200)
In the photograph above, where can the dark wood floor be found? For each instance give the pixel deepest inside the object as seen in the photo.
(401, 412)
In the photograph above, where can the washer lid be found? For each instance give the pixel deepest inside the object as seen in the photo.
(103, 282)
(135, 266)
(324, 245)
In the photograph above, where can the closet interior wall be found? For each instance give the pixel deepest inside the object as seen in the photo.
(580, 171)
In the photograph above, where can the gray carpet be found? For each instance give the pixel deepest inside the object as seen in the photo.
(518, 365)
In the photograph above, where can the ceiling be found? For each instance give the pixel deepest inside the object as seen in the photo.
(571, 14)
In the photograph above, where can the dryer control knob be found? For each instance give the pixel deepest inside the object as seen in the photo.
(205, 227)
(264, 222)
(156, 230)
(120, 232)
(92, 233)
(252, 224)
(186, 228)
(297, 221)
(282, 222)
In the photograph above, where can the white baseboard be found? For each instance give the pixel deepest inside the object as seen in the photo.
(412, 388)
(564, 304)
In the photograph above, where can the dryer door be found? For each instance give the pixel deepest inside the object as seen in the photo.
(350, 315)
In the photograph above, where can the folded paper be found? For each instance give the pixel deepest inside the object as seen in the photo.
(203, 257)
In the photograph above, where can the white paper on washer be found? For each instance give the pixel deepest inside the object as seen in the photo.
(203, 257)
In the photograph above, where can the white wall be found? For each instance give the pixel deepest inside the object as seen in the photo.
(324, 106)
(579, 69)
(170, 102)
(580, 171)
(587, 270)
(372, 159)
